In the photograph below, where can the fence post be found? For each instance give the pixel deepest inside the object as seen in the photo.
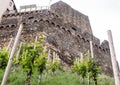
(9, 44)
(81, 59)
(113, 58)
(91, 49)
(11, 56)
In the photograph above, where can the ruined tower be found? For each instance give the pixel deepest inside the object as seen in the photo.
(72, 16)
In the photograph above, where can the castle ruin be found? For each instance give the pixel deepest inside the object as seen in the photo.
(67, 30)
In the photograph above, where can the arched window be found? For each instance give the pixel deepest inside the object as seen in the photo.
(73, 29)
(7, 10)
(10, 4)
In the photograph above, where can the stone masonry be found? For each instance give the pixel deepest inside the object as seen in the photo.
(67, 30)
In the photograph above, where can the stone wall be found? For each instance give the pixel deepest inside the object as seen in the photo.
(68, 38)
(72, 16)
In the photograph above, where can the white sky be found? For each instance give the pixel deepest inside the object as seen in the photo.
(103, 15)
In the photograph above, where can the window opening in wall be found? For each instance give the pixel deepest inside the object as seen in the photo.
(103, 50)
(40, 20)
(14, 7)
(7, 26)
(73, 28)
(63, 28)
(24, 23)
(69, 32)
(100, 48)
(47, 21)
(58, 26)
(106, 50)
(31, 17)
(83, 39)
(53, 23)
(12, 14)
(7, 10)
(10, 4)
(35, 21)
(1, 27)
(96, 46)
(12, 25)
(87, 41)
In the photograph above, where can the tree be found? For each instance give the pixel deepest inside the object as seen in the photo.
(86, 67)
(3, 59)
(54, 64)
(27, 56)
(41, 59)
(33, 56)
(80, 69)
(93, 70)
(40, 63)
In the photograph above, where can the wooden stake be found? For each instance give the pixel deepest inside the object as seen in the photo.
(48, 58)
(36, 38)
(91, 49)
(113, 58)
(81, 54)
(78, 58)
(53, 57)
(9, 44)
(11, 56)
(17, 56)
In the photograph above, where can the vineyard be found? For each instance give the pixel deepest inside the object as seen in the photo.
(32, 65)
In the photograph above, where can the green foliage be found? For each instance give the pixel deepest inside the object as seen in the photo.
(3, 59)
(86, 67)
(105, 80)
(40, 62)
(93, 68)
(54, 65)
(27, 57)
(33, 56)
(62, 78)
(15, 61)
(80, 68)
(75, 66)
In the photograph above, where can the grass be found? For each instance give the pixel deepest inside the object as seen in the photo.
(61, 78)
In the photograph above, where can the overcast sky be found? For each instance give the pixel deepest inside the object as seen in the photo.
(103, 15)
